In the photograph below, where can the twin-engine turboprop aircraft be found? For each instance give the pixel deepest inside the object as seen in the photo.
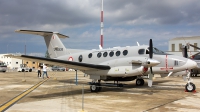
(112, 64)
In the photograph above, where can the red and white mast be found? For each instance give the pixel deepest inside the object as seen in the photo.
(101, 23)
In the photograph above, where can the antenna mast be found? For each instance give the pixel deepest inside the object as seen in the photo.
(101, 23)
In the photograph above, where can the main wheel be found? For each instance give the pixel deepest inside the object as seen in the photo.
(140, 82)
(190, 87)
(95, 87)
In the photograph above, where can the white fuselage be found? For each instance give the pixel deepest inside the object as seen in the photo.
(121, 59)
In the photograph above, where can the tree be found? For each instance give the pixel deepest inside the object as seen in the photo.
(47, 54)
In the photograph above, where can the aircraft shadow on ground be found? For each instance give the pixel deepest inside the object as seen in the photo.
(69, 86)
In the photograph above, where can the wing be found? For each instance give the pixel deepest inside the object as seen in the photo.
(67, 64)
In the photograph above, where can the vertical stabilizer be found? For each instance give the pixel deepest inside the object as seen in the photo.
(54, 45)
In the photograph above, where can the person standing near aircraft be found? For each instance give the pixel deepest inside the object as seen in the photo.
(44, 71)
(39, 71)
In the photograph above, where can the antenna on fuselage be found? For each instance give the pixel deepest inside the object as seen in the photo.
(138, 44)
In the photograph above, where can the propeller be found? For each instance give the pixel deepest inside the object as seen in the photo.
(185, 52)
(150, 56)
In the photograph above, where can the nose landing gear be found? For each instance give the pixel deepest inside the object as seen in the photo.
(189, 87)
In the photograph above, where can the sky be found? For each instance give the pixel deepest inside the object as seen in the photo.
(125, 23)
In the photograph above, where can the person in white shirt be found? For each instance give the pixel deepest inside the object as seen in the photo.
(44, 71)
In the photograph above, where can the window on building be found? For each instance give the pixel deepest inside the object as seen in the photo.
(33, 62)
(27, 62)
(173, 47)
(195, 49)
(16, 62)
(180, 46)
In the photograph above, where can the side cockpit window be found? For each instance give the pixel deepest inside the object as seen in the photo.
(141, 51)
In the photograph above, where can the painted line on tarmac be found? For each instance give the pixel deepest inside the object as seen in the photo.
(14, 100)
(168, 102)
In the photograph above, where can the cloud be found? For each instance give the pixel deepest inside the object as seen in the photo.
(125, 21)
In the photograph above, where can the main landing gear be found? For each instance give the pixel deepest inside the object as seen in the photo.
(139, 82)
(189, 87)
(95, 86)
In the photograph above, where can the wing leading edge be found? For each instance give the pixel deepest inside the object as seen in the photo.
(67, 64)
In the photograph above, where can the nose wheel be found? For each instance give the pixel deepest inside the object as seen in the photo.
(189, 87)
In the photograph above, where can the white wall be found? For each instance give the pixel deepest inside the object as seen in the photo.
(183, 42)
(10, 62)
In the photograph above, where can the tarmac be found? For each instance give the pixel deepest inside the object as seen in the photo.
(60, 94)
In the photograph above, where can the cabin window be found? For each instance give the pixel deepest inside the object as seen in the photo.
(105, 54)
(117, 53)
(90, 55)
(141, 51)
(125, 52)
(80, 58)
(111, 53)
(99, 55)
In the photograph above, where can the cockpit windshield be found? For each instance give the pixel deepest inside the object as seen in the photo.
(156, 51)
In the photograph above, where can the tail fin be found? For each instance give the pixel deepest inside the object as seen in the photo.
(54, 45)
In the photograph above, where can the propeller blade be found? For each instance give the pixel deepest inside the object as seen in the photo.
(194, 46)
(195, 55)
(150, 48)
(185, 52)
(151, 56)
(150, 80)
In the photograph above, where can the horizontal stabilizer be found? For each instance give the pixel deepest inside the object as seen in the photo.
(41, 33)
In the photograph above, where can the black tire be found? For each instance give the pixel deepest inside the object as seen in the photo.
(190, 88)
(93, 88)
(30, 70)
(23, 70)
(139, 82)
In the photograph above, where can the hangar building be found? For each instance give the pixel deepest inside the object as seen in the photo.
(175, 45)
(15, 63)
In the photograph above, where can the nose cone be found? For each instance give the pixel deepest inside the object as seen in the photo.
(191, 64)
(152, 62)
